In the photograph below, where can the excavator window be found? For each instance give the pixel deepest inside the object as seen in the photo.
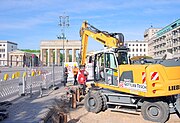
(110, 61)
(122, 58)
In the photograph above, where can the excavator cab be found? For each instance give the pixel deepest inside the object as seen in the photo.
(106, 65)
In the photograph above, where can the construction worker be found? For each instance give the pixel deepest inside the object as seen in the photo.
(75, 72)
(82, 78)
(65, 74)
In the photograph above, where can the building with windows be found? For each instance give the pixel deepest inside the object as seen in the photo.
(18, 58)
(137, 48)
(148, 35)
(165, 42)
(5, 48)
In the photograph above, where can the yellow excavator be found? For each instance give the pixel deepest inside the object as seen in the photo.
(152, 89)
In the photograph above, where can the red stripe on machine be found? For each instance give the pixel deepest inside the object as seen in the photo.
(143, 77)
(154, 76)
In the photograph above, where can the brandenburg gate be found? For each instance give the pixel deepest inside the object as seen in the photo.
(50, 51)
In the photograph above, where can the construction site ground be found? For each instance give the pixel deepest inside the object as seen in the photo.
(34, 109)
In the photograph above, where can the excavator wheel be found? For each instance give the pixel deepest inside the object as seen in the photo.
(104, 101)
(155, 111)
(93, 102)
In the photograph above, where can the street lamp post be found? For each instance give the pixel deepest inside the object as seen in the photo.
(64, 22)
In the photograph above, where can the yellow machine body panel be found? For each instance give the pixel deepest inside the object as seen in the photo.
(147, 80)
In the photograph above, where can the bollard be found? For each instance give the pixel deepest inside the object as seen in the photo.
(6, 76)
(13, 76)
(33, 73)
(17, 74)
(74, 104)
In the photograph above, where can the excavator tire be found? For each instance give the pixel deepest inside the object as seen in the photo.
(104, 101)
(93, 102)
(155, 111)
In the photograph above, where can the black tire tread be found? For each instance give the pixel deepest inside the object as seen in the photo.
(164, 107)
(98, 100)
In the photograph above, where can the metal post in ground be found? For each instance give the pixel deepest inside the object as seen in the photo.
(24, 86)
(30, 91)
(53, 78)
(41, 90)
(30, 82)
(24, 79)
(78, 95)
(53, 74)
(64, 22)
(74, 103)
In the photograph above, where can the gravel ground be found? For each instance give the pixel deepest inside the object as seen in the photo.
(31, 110)
(80, 115)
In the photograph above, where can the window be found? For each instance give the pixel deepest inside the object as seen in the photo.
(133, 45)
(133, 50)
(2, 50)
(3, 44)
(144, 50)
(136, 44)
(140, 50)
(0, 44)
(122, 58)
(110, 61)
(0, 55)
(3, 55)
(129, 44)
(140, 44)
(136, 50)
(144, 44)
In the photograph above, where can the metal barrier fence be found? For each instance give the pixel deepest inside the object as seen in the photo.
(27, 83)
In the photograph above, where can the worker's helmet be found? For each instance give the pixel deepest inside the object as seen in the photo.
(74, 65)
(66, 65)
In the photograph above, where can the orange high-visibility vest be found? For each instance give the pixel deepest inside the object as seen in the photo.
(75, 71)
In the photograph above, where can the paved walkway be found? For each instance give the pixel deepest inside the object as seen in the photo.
(31, 110)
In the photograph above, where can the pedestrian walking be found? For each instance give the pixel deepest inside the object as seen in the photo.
(65, 74)
(75, 72)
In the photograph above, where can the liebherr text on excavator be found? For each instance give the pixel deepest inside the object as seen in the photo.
(152, 89)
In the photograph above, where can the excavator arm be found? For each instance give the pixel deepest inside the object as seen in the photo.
(109, 40)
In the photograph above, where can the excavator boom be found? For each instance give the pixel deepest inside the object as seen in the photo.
(109, 40)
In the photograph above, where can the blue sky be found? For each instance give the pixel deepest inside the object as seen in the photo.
(27, 22)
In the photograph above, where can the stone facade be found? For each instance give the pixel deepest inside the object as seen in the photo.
(50, 51)
(19, 58)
